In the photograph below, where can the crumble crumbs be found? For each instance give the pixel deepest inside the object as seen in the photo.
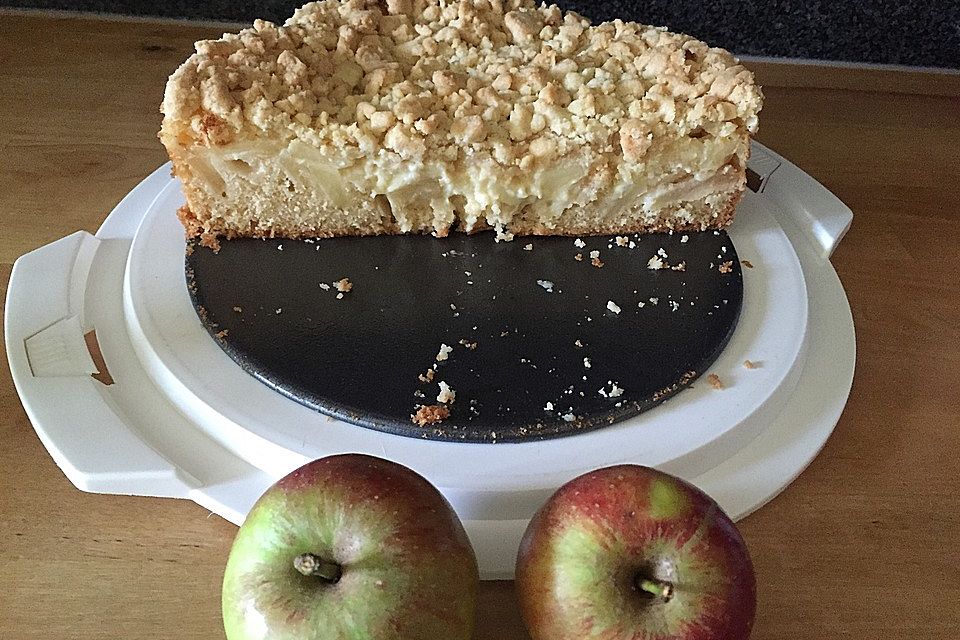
(546, 284)
(659, 261)
(613, 306)
(427, 376)
(726, 267)
(443, 353)
(343, 285)
(715, 381)
(747, 264)
(503, 236)
(749, 364)
(615, 391)
(430, 414)
(578, 257)
(446, 395)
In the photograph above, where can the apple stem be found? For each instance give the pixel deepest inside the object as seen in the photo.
(658, 588)
(312, 565)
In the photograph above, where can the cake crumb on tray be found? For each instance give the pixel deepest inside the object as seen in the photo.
(430, 414)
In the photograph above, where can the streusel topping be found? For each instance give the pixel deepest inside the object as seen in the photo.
(510, 79)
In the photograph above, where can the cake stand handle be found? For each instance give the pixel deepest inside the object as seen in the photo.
(820, 215)
(63, 389)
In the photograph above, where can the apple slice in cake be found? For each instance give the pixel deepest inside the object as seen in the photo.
(371, 117)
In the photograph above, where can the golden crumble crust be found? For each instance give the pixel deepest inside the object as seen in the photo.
(517, 82)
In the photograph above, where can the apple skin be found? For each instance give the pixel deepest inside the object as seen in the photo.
(583, 552)
(408, 570)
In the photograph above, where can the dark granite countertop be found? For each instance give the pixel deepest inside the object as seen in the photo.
(909, 32)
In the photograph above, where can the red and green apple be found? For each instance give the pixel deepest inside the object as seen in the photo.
(631, 553)
(350, 547)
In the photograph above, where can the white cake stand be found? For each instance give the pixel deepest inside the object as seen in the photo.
(183, 420)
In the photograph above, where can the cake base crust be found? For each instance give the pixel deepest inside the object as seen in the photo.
(720, 217)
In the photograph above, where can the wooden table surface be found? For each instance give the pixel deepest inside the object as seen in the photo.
(865, 544)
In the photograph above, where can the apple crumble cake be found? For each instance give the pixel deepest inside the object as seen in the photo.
(397, 116)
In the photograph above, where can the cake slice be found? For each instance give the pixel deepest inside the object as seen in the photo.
(399, 116)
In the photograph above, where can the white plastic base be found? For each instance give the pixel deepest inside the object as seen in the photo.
(183, 420)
